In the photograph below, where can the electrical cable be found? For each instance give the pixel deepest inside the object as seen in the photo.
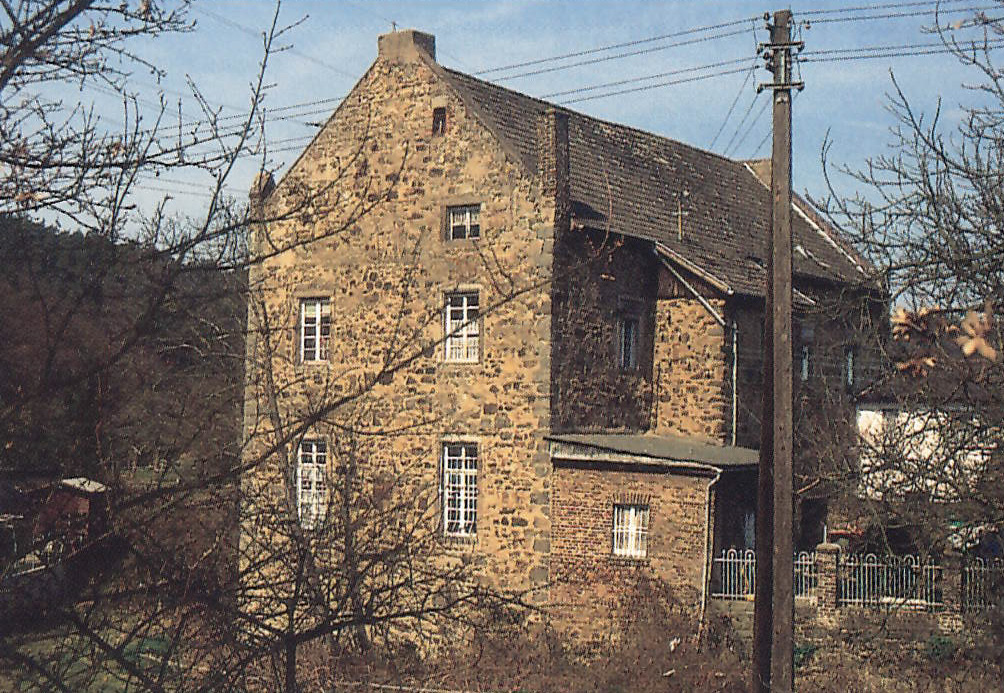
(626, 44)
(732, 108)
(632, 80)
(618, 56)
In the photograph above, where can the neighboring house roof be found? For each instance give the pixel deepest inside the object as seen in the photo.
(661, 451)
(630, 180)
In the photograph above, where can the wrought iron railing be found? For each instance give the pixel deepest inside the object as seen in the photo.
(734, 574)
(982, 584)
(901, 581)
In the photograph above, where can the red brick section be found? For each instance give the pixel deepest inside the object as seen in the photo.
(587, 579)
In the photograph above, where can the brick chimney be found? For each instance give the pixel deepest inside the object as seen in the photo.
(405, 46)
(552, 159)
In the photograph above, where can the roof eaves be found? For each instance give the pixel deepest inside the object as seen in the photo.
(810, 219)
(686, 264)
(471, 103)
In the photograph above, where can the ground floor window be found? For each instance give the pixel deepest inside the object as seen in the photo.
(460, 489)
(630, 530)
(311, 483)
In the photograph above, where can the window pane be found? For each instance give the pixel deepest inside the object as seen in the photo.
(460, 489)
(461, 325)
(311, 484)
(630, 530)
(315, 329)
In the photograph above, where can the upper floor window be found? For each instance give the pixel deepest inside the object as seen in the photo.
(462, 222)
(628, 333)
(439, 120)
(315, 329)
(311, 483)
(630, 530)
(849, 358)
(463, 329)
(460, 489)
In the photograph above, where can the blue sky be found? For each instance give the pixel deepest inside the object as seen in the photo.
(336, 41)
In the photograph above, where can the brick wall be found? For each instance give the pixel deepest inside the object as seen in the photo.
(588, 579)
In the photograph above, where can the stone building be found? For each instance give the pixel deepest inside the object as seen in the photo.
(554, 322)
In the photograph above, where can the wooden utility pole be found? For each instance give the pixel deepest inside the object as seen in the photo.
(774, 608)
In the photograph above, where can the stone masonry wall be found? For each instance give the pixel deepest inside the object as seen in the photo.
(597, 278)
(588, 579)
(386, 277)
(691, 370)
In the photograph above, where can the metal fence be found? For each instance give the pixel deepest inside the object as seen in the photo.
(806, 575)
(734, 574)
(902, 581)
(982, 584)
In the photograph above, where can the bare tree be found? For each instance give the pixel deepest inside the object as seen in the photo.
(929, 217)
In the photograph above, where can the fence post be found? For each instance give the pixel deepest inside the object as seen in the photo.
(827, 600)
(951, 593)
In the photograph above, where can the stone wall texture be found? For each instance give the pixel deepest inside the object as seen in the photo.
(386, 276)
(691, 371)
(360, 219)
(597, 279)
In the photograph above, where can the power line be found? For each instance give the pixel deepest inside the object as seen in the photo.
(886, 6)
(632, 80)
(990, 45)
(256, 34)
(728, 115)
(657, 86)
(742, 121)
(900, 15)
(612, 46)
(594, 61)
(756, 119)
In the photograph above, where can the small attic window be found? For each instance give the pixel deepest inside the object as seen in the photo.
(439, 120)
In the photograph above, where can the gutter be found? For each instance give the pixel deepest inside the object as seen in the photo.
(667, 254)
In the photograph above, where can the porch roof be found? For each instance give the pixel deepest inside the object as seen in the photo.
(660, 451)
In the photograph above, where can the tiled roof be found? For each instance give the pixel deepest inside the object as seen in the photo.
(629, 180)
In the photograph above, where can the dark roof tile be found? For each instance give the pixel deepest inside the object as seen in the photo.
(629, 180)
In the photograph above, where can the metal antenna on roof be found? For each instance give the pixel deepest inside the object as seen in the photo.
(680, 213)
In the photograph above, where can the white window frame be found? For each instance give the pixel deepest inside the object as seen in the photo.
(314, 329)
(849, 357)
(805, 365)
(460, 489)
(311, 482)
(462, 326)
(466, 218)
(630, 530)
(627, 351)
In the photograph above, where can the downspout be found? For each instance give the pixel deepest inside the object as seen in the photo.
(708, 550)
(735, 341)
(735, 379)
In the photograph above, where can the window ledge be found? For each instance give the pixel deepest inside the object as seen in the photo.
(629, 560)
(462, 365)
(458, 544)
